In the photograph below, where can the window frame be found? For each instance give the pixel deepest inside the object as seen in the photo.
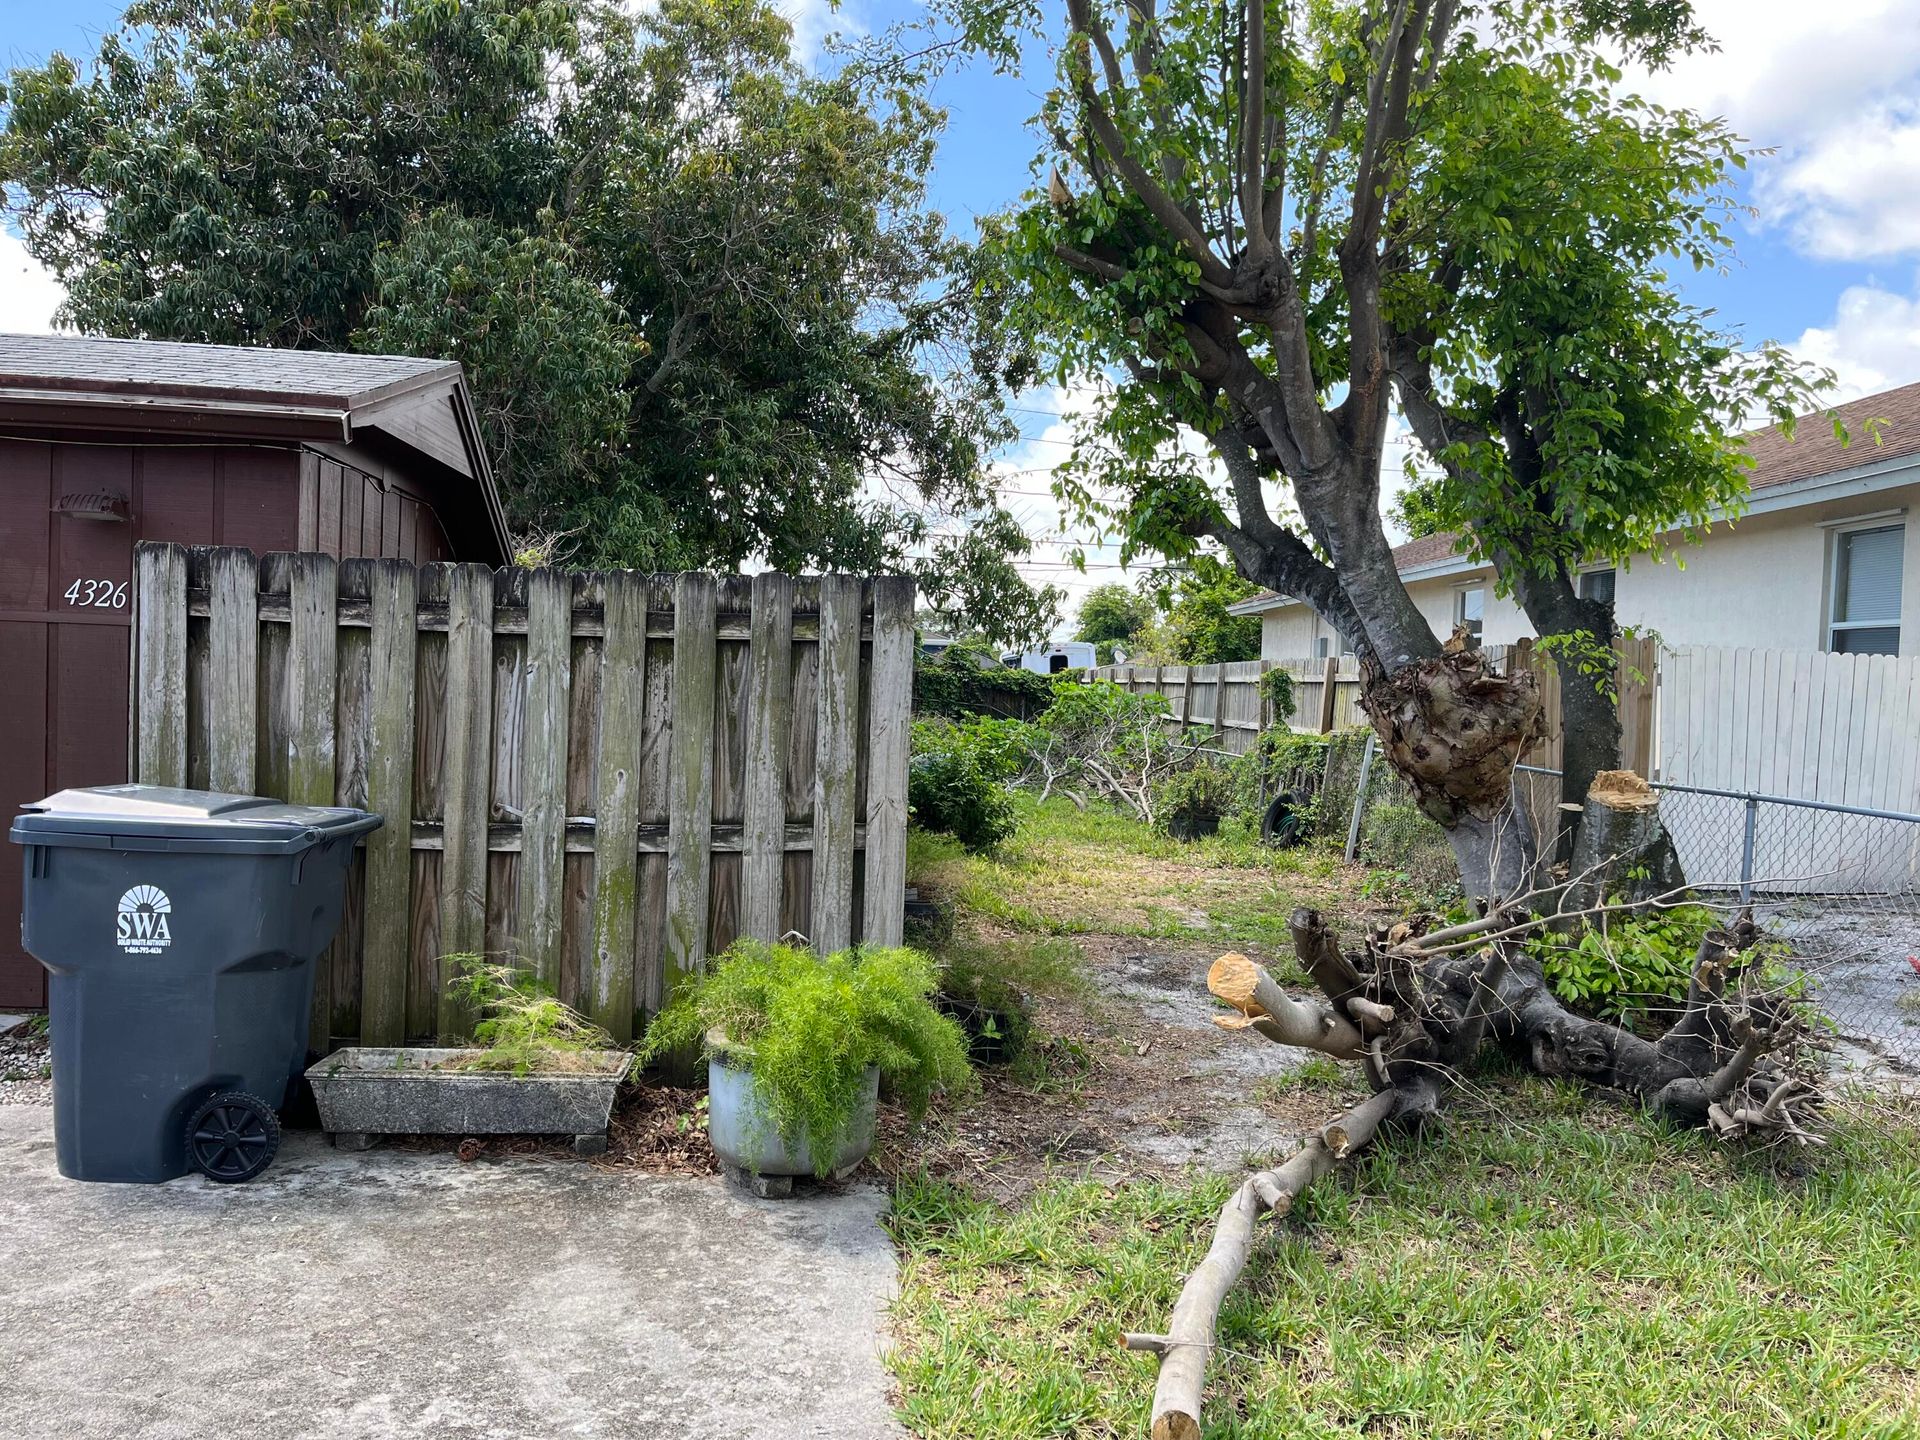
(1838, 557)
(1478, 628)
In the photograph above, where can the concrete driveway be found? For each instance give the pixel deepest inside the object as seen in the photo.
(387, 1296)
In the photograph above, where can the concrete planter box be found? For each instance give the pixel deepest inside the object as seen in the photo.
(752, 1150)
(365, 1092)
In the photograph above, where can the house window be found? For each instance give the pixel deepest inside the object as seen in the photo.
(1320, 648)
(1597, 585)
(1469, 609)
(1864, 607)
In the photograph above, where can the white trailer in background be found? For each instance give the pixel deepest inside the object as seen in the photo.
(1057, 659)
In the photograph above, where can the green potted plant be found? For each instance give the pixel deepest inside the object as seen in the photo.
(796, 1047)
(1191, 802)
(537, 1068)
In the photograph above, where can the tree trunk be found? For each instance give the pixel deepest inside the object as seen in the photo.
(1623, 848)
(1455, 728)
(1589, 708)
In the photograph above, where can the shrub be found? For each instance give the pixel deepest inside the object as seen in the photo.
(1279, 761)
(809, 1027)
(967, 678)
(522, 1027)
(1625, 967)
(1193, 799)
(988, 987)
(957, 781)
(1103, 736)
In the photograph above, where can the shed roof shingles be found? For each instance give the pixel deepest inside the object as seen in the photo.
(1813, 451)
(230, 372)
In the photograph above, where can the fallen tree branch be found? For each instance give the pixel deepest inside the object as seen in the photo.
(1248, 988)
(1188, 1343)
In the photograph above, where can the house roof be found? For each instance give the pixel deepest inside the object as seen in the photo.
(227, 372)
(1812, 453)
(393, 407)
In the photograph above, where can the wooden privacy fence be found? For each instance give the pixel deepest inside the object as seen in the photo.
(604, 776)
(1228, 699)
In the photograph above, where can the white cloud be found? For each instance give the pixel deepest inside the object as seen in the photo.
(1785, 69)
(1835, 90)
(814, 23)
(28, 293)
(1873, 343)
(1853, 194)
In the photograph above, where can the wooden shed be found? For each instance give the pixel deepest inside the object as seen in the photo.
(104, 443)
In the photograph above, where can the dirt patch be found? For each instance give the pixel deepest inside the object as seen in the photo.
(1133, 1080)
(656, 1129)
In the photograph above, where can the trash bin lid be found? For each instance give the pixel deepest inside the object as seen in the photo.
(164, 817)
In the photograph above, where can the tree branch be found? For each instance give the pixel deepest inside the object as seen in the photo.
(1253, 134)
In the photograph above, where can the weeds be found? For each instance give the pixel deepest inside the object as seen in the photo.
(522, 1028)
(1319, 1075)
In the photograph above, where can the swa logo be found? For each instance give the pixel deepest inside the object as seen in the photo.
(142, 924)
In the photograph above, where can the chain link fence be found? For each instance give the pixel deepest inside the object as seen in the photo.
(1837, 886)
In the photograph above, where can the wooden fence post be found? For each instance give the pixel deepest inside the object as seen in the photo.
(1328, 691)
(834, 780)
(307, 742)
(690, 779)
(543, 769)
(469, 752)
(608, 984)
(889, 705)
(393, 614)
(769, 714)
(160, 664)
(233, 668)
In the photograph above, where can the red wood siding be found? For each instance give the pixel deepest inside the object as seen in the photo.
(355, 514)
(64, 613)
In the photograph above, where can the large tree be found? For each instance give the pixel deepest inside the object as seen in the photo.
(707, 312)
(1272, 225)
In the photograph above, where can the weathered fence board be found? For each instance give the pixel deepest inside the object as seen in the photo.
(835, 785)
(1228, 699)
(601, 777)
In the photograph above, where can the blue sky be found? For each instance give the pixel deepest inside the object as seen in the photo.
(1830, 266)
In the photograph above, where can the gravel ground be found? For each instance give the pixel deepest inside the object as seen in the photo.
(1861, 952)
(24, 1060)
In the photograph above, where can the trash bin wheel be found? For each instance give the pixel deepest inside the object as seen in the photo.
(232, 1137)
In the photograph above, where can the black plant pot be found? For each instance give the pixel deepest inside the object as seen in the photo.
(993, 1036)
(1192, 827)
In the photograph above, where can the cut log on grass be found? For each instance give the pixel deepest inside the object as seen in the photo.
(1188, 1343)
(1417, 1011)
(1249, 989)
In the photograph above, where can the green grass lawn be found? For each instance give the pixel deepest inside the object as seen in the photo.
(1549, 1267)
(1097, 871)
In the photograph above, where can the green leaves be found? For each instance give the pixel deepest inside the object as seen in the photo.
(699, 292)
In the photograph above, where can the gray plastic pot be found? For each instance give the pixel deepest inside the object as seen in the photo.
(751, 1146)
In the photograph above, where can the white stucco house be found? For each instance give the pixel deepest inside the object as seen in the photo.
(1827, 557)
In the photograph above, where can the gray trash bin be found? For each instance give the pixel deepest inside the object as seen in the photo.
(180, 930)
